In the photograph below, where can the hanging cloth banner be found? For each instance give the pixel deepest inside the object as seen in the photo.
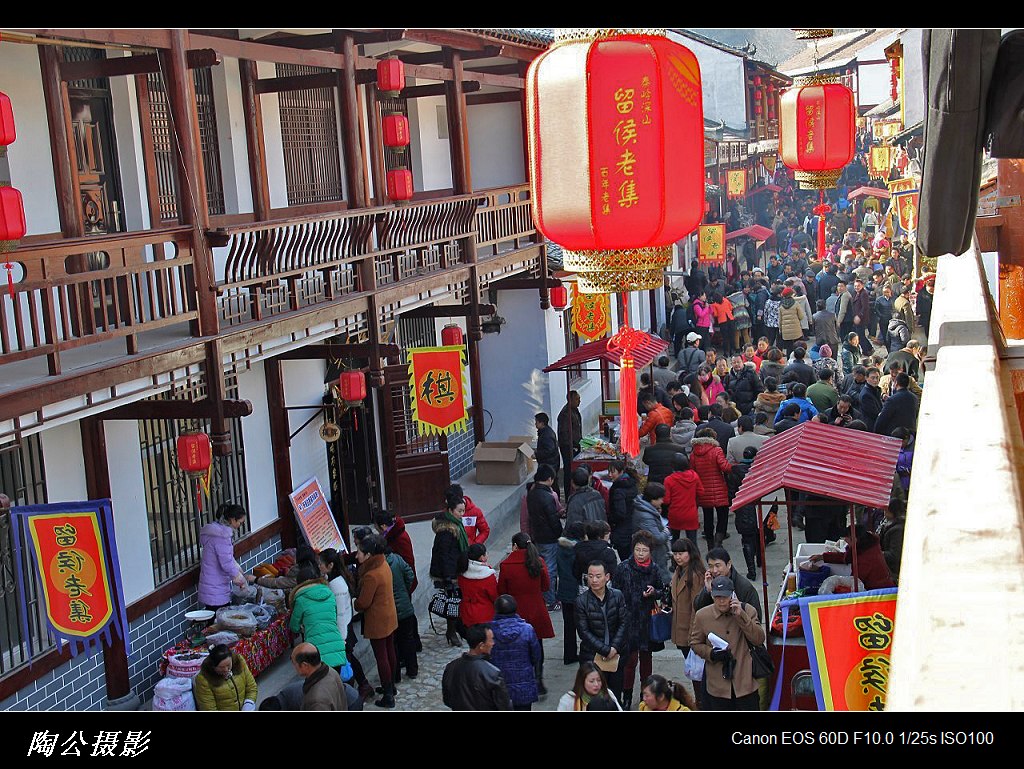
(737, 184)
(73, 553)
(849, 640)
(438, 389)
(711, 244)
(906, 204)
(901, 185)
(768, 161)
(591, 314)
(880, 162)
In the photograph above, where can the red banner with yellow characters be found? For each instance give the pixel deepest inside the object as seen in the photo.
(901, 185)
(906, 204)
(711, 244)
(74, 555)
(737, 184)
(849, 640)
(591, 314)
(438, 390)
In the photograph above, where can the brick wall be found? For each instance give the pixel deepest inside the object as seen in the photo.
(460, 452)
(80, 685)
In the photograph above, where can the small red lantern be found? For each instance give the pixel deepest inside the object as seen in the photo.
(817, 130)
(352, 386)
(12, 214)
(757, 80)
(616, 140)
(757, 109)
(195, 454)
(7, 132)
(451, 336)
(390, 76)
(399, 184)
(396, 132)
(559, 297)
(758, 94)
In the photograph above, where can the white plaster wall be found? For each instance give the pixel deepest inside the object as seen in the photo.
(588, 388)
(234, 163)
(304, 386)
(722, 82)
(29, 159)
(272, 141)
(496, 145)
(63, 464)
(431, 158)
(913, 77)
(128, 496)
(259, 454)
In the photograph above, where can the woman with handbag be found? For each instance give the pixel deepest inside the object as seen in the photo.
(450, 542)
(687, 581)
(524, 576)
(641, 583)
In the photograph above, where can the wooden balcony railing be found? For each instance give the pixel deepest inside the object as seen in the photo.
(80, 291)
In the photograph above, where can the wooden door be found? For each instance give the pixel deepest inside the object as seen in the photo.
(416, 467)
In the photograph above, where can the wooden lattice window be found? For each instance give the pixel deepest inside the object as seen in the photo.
(309, 138)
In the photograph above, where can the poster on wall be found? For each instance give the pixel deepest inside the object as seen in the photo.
(313, 513)
(438, 390)
(711, 244)
(73, 556)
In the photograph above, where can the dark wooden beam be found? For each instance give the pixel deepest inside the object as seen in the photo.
(58, 119)
(462, 41)
(351, 144)
(305, 42)
(449, 311)
(435, 89)
(296, 82)
(378, 36)
(505, 97)
(512, 284)
(279, 54)
(256, 149)
(437, 57)
(143, 38)
(324, 351)
(139, 64)
(496, 69)
(204, 409)
(458, 128)
(520, 53)
(279, 431)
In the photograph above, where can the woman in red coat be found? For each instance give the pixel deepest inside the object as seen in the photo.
(710, 464)
(682, 487)
(524, 576)
(479, 587)
(477, 530)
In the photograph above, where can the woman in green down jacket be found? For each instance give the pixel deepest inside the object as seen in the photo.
(315, 613)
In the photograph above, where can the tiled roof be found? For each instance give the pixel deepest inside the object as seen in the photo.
(535, 37)
(835, 51)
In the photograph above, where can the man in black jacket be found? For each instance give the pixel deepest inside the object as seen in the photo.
(471, 682)
(545, 525)
(720, 565)
(570, 433)
(899, 410)
(585, 503)
(601, 621)
(723, 430)
(547, 442)
(659, 456)
(743, 384)
(800, 369)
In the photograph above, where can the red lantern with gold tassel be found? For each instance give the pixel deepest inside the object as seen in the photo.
(390, 76)
(817, 130)
(559, 298)
(195, 458)
(12, 208)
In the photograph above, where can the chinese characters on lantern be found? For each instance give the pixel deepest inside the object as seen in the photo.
(812, 112)
(626, 137)
(104, 743)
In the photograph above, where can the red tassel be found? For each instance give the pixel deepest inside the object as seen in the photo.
(821, 209)
(630, 438)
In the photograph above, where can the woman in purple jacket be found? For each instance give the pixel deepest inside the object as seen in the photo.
(217, 566)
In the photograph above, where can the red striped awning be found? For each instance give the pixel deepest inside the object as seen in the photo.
(755, 231)
(837, 462)
(650, 349)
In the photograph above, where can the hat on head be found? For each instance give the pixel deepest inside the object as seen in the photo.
(722, 586)
(692, 337)
(825, 351)
(788, 291)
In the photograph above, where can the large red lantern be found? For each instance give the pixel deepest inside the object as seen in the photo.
(399, 184)
(195, 453)
(559, 298)
(616, 140)
(396, 132)
(451, 336)
(7, 132)
(817, 130)
(390, 76)
(12, 214)
(352, 386)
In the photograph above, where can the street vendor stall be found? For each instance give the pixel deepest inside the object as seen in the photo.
(863, 198)
(816, 459)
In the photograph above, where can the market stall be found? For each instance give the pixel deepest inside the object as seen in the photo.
(815, 459)
(863, 198)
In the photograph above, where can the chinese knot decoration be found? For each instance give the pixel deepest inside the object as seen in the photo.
(616, 132)
(820, 210)
(817, 130)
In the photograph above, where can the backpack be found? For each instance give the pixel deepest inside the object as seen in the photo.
(690, 360)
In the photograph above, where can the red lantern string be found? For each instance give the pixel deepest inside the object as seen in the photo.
(624, 342)
(820, 210)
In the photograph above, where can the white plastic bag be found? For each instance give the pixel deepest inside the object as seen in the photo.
(173, 694)
(237, 620)
(694, 666)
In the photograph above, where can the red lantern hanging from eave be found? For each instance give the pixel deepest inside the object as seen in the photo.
(7, 132)
(399, 184)
(12, 214)
(451, 335)
(559, 296)
(817, 130)
(396, 132)
(352, 386)
(616, 140)
(195, 454)
(390, 76)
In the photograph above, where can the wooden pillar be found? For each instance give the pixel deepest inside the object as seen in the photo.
(65, 164)
(545, 294)
(1011, 247)
(256, 148)
(193, 210)
(279, 432)
(97, 484)
(458, 130)
(352, 146)
(526, 124)
(220, 436)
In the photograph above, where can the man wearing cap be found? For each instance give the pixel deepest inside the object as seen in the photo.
(691, 357)
(729, 681)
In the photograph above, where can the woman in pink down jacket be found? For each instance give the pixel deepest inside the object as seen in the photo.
(217, 565)
(702, 319)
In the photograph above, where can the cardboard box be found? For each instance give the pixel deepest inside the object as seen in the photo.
(531, 462)
(502, 464)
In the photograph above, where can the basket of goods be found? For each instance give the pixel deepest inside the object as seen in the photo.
(237, 620)
(185, 664)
